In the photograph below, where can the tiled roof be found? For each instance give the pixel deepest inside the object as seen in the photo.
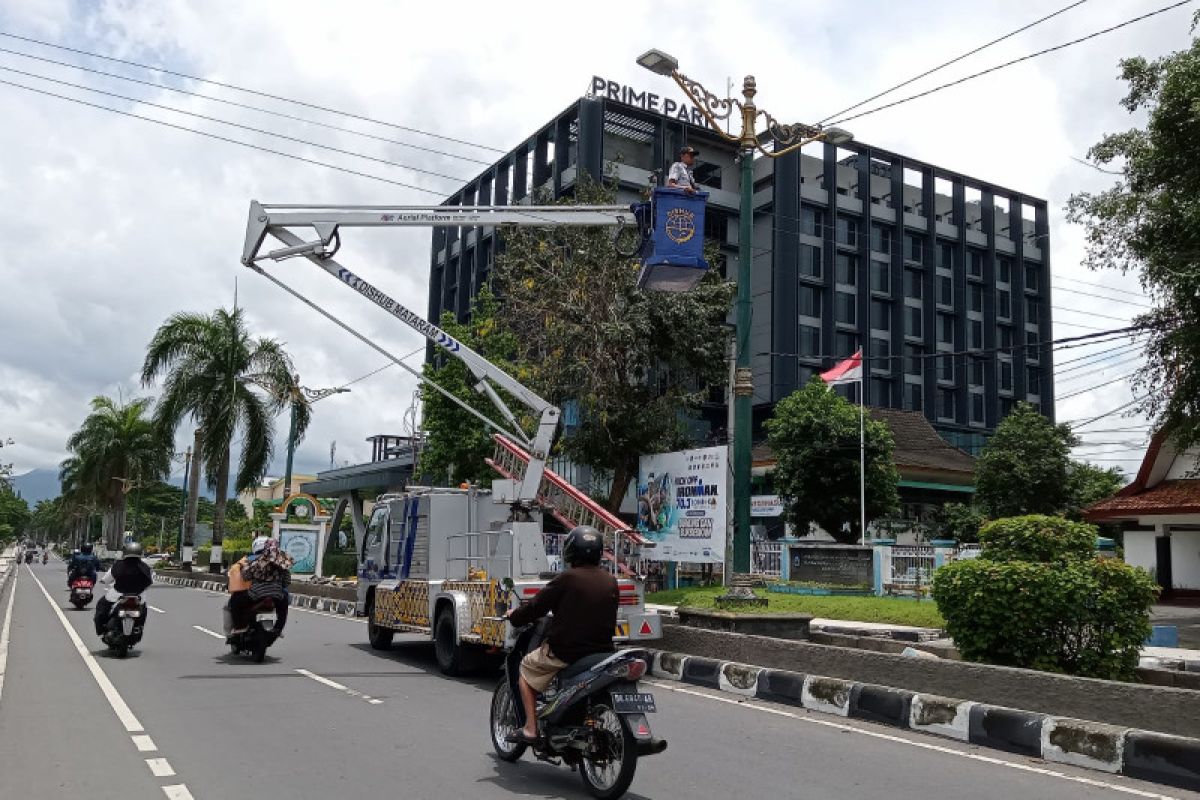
(918, 445)
(1169, 497)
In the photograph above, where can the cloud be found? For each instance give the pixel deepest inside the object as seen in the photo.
(112, 224)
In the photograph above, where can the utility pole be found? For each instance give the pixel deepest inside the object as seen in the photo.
(301, 394)
(193, 501)
(187, 467)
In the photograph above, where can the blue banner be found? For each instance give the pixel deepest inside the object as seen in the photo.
(674, 257)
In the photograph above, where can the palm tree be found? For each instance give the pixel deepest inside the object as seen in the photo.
(117, 445)
(225, 381)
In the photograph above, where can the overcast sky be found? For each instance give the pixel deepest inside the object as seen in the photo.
(110, 224)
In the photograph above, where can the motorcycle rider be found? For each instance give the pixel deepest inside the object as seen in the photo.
(270, 576)
(130, 575)
(584, 599)
(83, 564)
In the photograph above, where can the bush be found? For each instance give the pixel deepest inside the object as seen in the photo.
(1061, 609)
(340, 564)
(1037, 538)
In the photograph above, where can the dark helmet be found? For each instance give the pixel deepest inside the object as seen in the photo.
(131, 550)
(85, 548)
(584, 545)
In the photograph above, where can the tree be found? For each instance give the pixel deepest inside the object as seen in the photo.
(632, 363)
(959, 521)
(1087, 484)
(1023, 467)
(814, 435)
(227, 382)
(1148, 223)
(116, 447)
(458, 442)
(5, 469)
(14, 514)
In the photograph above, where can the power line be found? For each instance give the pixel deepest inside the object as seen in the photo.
(1058, 379)
(955, 60)
(1109, 382)
(1108, 413)
(218, 137)
(250, 128)
(255, 92)
(246, 106)
(1102, 297)
(374, 372)
(1011, 63)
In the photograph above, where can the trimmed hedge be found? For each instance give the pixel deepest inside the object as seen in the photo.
(1037, 538)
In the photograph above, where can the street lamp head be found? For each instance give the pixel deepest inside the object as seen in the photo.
(838, 135)
(658, 62)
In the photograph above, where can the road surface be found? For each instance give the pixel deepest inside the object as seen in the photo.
(327, 717)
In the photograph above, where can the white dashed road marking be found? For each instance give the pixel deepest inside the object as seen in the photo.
(335, 685)
(177, 792)
(155, 608)
(210, 633)
(144, 744)
(160, 767)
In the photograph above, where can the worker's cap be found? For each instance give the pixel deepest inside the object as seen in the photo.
(683, 151)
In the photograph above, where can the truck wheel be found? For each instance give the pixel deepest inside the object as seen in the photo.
(446, 646)
(379, 637)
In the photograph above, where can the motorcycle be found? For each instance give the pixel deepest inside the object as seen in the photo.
(124, 628)
(258, 635)
(81, 592)
(45, 559)
(592, 716)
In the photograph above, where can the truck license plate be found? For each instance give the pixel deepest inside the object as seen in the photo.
(633, 703)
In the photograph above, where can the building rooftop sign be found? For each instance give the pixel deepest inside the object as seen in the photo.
(648, 101)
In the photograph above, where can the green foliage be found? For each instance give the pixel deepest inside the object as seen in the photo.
(14, 514)
(1024, 465)
(458, 442)
(1148, 223)
(958, 521)
(1087, 484)
(342, 565)
(814, 434)
(1037, 538)
(5, 469)
(894, 610)
(1038, 597)
(633, 363)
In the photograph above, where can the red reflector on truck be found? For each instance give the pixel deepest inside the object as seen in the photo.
(645, 630)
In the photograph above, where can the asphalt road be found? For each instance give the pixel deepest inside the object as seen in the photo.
(327, 717)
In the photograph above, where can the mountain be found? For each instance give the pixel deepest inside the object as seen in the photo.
(42, 484)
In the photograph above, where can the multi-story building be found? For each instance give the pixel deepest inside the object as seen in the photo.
(941, 278)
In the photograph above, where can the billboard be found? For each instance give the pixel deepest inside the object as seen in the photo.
(682, 505)
(301, 545)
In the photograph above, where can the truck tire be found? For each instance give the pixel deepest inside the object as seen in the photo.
(452, 656)
(379, 636)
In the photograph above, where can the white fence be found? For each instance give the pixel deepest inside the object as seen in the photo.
(908, 569)
(766, 558)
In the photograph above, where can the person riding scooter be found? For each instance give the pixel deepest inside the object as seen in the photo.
(130, 575)
(584, 600)
(83, 564)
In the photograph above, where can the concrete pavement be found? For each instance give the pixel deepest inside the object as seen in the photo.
(326, 716)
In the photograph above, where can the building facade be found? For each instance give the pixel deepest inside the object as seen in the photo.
(941, 278)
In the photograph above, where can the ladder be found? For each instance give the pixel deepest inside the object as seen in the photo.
(569, 506)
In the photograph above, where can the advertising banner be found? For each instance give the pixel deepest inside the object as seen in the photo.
(682, 505)
(766, 505)
(301, 545)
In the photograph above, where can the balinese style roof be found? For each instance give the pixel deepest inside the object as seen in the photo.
(1151, 493)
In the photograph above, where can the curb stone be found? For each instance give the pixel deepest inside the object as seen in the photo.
(1145, 755)
(329, 605)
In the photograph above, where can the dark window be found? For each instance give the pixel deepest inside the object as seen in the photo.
(845, 307)
(810, 340)
(1006, 406)
(847, 269)
(975, 368)
(1033, 380)
(1003, 270)
(912, 284)
(912, 321)
(1006, 376)
(976, 342)
(913, 361)
(881, 315)
(812, 221)
(1004, 338)
(847, 231)
(881, 276)
(810, 261)
(975, 296)
(844, 345)
(914, 247)
(1033, 311)
(1033, 277)
(810, 301)
(881, 349)
(912, 397)
(945, 290)
(881, 238)
(945, 255)
(945, 403)
(945, 329)
(881, 392)
(975, 263)
(945, 365)
(1004, 303)
(977, 408)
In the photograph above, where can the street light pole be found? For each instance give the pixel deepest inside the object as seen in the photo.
(187, 468)
(785, 139)
(309, 396)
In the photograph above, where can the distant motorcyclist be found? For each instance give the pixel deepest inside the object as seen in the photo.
(130, 575)
(83, 564)
(269, 573)
(584, 599)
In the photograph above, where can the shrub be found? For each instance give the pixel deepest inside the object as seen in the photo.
(1060, 609)
(340, 564)
(1037, 538)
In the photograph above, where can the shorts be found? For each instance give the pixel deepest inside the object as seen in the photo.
(540, 666)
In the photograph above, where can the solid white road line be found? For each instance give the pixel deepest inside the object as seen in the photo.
(210, 633)
(160, 767)
(177, 792)
(335, 685)
(144, 743)
(12, 598)
(155, 608)
(119, 707)
(751, 706)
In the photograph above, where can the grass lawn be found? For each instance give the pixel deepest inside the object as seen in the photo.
(895, 610)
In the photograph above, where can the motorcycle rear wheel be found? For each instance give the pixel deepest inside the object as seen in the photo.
(612, 778)
(503, 721)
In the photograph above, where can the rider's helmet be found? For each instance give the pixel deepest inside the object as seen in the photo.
(584, 545)
(75, 552)
(131, 550)
(258, 545)
(86, 548)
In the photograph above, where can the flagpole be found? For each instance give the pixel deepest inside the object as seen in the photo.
(862, 454)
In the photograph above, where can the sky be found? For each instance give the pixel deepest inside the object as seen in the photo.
(111, 224)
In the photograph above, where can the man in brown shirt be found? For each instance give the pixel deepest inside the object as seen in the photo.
(584, 599)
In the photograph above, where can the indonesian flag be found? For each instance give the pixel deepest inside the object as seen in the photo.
(847, 371)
